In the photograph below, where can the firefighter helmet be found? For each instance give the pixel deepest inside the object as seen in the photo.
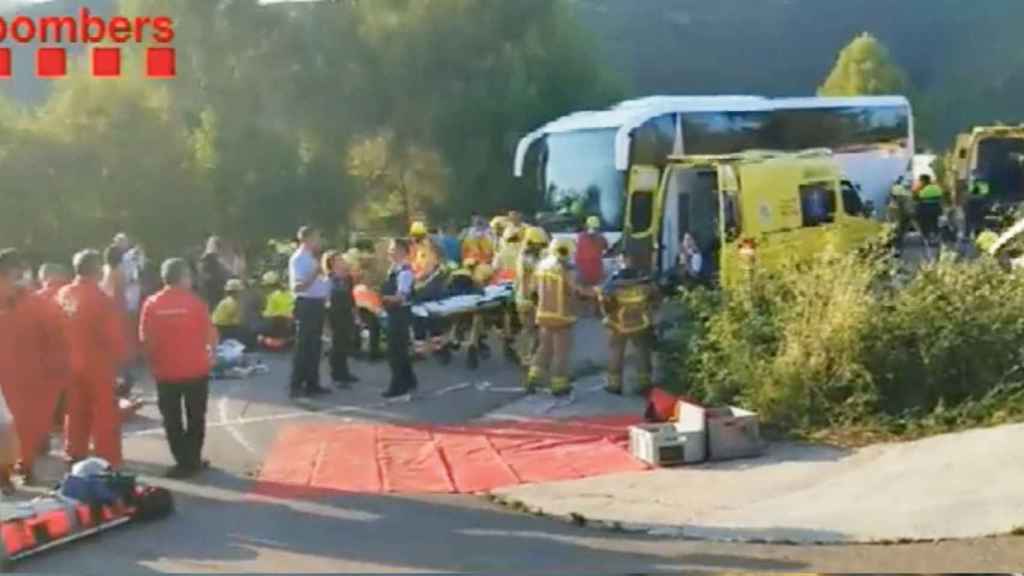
(418, 229)
(562, 248)
(536, 236)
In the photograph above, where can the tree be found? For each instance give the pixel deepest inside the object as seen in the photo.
(400, 180)
(864, 68)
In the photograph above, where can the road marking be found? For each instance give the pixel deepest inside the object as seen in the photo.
(232, 425)
(222, 405)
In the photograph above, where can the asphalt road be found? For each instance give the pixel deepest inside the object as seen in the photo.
(220, 527)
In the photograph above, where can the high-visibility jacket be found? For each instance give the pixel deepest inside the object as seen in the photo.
(477, 245)
(280, 304)
(555, 290)
(930, 193)
(505, 262)
(228, 312)
(526, 285)
(626, 302)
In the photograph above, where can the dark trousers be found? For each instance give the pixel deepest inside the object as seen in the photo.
(403, 379)
(185, 438)
(341, 345)
(309, 330)
(928, 218)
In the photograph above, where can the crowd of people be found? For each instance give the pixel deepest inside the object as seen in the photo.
(75, 339)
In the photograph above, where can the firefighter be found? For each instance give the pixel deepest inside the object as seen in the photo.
(468, 279)
(626, 300)
(498, 225)
(901, 211)
(98, 347)
(929, 207)
(505, 260)
(977, 205)
(535, 240)
(556, 290)
(425, 259)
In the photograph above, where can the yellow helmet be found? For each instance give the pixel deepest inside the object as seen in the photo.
(536, 236)
(234, 285)
(418, 229)
(271, 278)
(593, 223)
(562, 248)
(512, 234)
(499, 222)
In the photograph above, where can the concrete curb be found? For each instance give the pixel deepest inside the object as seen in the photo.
(697, 534)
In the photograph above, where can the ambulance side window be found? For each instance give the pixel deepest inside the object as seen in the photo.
(817, 203)
(852, 203)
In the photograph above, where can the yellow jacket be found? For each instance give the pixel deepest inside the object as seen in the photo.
(228, 312)
(280, 304)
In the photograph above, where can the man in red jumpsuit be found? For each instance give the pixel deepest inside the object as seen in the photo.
(99, 345)
(53, 277)
(34, 362)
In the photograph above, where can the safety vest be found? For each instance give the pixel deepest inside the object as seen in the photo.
(280, 304)
(554, 294)
(627, 307)
(930, 193)
(980, 189)
(505, 261)
(525, 285)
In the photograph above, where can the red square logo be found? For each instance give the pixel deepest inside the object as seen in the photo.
(5, 62)
(160, 63)
(51, 62)
(106, 62)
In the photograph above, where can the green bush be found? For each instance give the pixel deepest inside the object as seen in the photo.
(839, 340)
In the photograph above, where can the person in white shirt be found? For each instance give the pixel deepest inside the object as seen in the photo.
(311, 289)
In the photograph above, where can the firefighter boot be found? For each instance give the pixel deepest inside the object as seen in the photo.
(560, 387)
(614, 385)
(532, 380)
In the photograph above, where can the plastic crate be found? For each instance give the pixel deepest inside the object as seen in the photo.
(667, 444)
(732, 432)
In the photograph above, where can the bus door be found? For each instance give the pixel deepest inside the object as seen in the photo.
(690, 206)
(640, 231)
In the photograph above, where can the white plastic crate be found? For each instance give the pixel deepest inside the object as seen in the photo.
(667, 444)
(731, 432)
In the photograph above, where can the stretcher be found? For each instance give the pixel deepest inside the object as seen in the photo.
(494, 297)
(49, 522)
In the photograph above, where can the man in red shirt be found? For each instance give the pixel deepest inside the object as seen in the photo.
(99, 345)
(179, 338)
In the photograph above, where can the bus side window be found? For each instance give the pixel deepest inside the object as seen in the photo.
(641, 211)
(817, 204)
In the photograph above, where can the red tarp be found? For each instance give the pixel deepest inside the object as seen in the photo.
(373, 458)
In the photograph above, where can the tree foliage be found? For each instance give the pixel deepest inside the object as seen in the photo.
(864, 68)
(342, 114)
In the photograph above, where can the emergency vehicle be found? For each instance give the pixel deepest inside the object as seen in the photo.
(760, 207)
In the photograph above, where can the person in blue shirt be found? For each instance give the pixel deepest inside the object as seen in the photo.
(450, 244)
(311, 289)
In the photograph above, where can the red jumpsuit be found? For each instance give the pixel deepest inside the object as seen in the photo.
(35, 366)
(98, 347)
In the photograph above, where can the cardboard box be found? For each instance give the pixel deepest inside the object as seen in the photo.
(667, 444)
(732, 432)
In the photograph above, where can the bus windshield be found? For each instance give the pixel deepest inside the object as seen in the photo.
(581, 180)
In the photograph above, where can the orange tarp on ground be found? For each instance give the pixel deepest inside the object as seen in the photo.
(374, 458)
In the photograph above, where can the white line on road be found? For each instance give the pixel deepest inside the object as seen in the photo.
(222, 405)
